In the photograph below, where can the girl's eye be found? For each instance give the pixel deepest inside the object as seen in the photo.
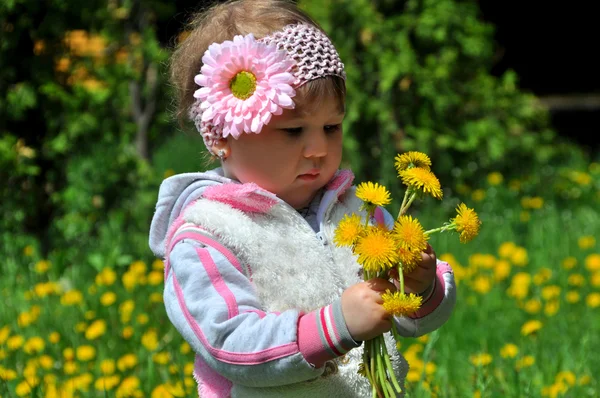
(333, 128)
(293, 131)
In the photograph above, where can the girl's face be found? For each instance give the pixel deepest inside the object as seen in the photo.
(294, 156)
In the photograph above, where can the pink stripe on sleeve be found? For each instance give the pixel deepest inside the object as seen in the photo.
(326, 331)
(217, 282)
(208, 242)
(241, 358)
(309, 341)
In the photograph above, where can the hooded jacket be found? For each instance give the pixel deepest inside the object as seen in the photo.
(255, 289)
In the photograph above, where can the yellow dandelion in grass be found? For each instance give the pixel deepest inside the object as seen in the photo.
(96, 329)
(592, 262)
(422, 180)
(409, 258)
(410, 234)
(509, 351)
(481, 359)
(349, 230)
(467, 223)
(525, 362)
(107, 383)
(412, 159)
(399, 304)
(85, 353)
(376, 250)
(593, 300)
(373, 194)
(127, 361)
(531, 327)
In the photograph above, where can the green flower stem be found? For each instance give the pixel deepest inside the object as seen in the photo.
(404, 209)
(444, 228)
(372, 363)
(401, 278)
(388, 363)
(380, 368)
(403, 201)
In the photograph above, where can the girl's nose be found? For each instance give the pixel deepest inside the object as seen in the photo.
(315, 145)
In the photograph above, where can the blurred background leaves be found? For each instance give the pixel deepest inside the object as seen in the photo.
(88, 134)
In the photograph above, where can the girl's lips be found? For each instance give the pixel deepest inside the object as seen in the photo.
(309, 176)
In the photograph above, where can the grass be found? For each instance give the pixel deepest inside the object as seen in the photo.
(88, 333)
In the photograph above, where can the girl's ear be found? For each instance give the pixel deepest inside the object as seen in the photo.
(221, 148)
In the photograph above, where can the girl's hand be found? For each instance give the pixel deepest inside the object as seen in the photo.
(421, 278)
(362, 309)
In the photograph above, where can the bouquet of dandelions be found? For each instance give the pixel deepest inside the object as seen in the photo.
(385, 253)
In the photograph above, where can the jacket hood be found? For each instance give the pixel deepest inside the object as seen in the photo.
(174, 195)
(179, 191)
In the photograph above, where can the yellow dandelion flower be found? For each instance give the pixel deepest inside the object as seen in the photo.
(572, 297)
(42, 266)
(107, 366)
(410, 234)
(23, 389)
(72, 297)
(495, 178)
(127, 361)
(7, 374)
(4, 333)
(373, 194)
(150, 340)
(127, 332)
(34, 345)
(467, 223)
(376, 250)
(129, 387)
(592, 262)
(155, 278)
(525, 362)
(349, 230)
(400, 304)
(14, 342)
(161, 358)
(409, 258)
(54, 337)
(185, 348)
(106, 277)
(96, 329)
(108, 298)
(481, 359)
(85, 353)
(412, 159)
(509, 351)
(530, 327)
(586, 242)
(422, 180)
(107, 383)
(593, 300)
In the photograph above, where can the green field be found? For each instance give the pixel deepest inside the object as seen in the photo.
(526, 324)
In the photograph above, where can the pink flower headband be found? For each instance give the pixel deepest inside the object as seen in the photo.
(245, 81)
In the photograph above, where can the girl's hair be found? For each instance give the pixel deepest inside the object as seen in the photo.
(222, 22)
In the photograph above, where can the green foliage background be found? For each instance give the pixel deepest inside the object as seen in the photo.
(87, 136)
(85, 142)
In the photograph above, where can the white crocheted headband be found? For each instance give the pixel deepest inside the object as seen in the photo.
(245, 81)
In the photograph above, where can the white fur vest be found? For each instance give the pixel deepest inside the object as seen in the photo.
(291, 267)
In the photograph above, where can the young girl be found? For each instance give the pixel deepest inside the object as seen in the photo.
(253, 281)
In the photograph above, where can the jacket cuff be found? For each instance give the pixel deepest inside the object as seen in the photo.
(432, 300)
(323, 335)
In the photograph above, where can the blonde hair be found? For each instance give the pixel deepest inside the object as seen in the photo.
(222, 22)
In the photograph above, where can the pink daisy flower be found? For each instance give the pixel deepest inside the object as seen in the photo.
(243, 83)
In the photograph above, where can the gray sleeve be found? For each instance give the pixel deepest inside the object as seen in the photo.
(214, 307)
